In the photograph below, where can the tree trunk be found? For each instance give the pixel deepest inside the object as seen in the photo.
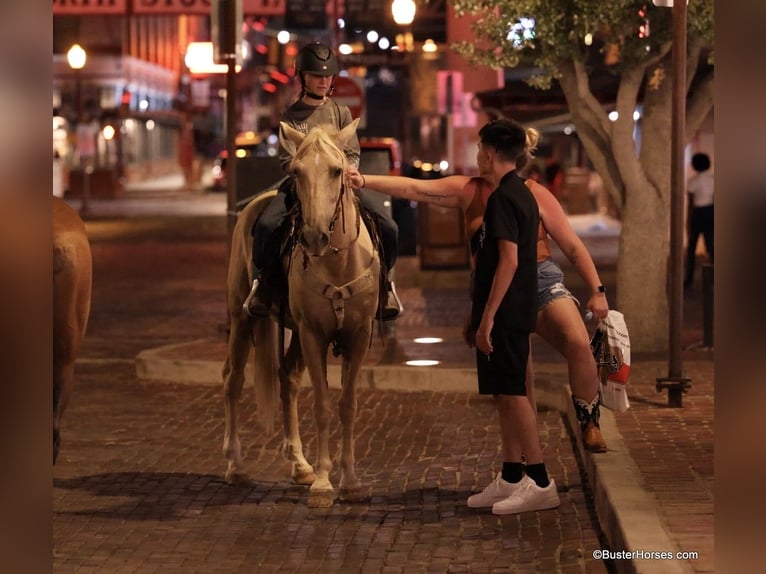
(642, 266)
(640, 187)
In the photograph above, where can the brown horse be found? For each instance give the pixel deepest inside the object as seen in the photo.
(333, 277)
(72, 281)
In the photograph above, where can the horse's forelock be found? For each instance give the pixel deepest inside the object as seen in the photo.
(321, 139)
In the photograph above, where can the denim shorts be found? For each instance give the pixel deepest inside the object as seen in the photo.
(550, 284)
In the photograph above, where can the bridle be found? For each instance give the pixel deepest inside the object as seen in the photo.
(341, 212)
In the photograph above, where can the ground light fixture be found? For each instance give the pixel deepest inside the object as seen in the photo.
(428, 340)
(422, 363)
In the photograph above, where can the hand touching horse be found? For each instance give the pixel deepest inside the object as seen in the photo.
(333, 277)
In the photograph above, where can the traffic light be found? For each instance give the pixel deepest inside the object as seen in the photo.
(125, 102)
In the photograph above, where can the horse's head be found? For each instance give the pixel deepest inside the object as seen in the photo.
(318, 166)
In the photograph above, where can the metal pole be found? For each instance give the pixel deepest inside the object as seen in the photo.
(85, 164)
(707, 306)
(450, 95)
(675, 382)
(231, 120)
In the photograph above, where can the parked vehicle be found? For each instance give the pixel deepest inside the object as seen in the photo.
(249, 144)
(380, 156)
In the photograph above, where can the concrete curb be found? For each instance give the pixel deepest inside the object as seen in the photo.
(626, 510)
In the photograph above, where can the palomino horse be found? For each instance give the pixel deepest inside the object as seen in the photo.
(333, 276)
(72, 280)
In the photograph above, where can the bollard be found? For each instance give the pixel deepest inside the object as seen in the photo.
(707, 306)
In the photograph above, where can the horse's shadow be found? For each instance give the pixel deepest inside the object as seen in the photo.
(172, 495)
(175, 496)
(168, 496)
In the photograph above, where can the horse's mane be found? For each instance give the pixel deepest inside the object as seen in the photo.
(321, 138)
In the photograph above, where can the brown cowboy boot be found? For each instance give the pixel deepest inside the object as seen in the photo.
(253, 305)
(392, 305)
(588, 416)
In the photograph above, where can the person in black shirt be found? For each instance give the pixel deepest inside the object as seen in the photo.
(503, 315)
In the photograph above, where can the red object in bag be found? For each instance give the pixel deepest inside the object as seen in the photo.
(611, 349)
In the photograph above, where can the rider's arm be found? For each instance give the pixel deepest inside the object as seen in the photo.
(351, 149)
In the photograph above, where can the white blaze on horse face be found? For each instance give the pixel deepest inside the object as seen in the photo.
(318, 172)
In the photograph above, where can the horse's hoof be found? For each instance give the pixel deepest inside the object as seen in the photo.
(304, 477)
(235, 477)
(321, 499)
(355, 494)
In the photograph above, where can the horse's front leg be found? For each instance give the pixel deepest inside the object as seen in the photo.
(233, 379)
(315, 355)
(292, 447)
(356, 350)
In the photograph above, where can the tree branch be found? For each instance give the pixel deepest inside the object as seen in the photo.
(591, 123)
(586, 97)
(623, 145)
(699, 104)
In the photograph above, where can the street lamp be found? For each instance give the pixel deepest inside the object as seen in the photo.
(403, 12)
(76, 57)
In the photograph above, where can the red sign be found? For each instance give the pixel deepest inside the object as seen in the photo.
(264, 7)
(157, 7)
(350, 92)
(90, 6)
(171, 6)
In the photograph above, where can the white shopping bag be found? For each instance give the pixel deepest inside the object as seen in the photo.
(611, 348)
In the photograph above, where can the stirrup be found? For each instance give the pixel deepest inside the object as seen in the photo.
(393, 305)
(252, 305)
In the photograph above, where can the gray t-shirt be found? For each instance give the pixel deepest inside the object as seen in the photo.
(303, 117)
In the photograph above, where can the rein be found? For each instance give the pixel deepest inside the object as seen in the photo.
(340, 211)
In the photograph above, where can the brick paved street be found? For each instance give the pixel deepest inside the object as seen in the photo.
(139, 488)
(139, 483)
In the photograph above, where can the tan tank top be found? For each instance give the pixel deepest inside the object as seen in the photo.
(474, 214)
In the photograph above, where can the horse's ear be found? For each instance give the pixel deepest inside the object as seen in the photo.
(289, 138)
(347, 133)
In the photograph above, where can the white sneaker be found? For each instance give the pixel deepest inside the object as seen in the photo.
(497, 490)
(528, 498)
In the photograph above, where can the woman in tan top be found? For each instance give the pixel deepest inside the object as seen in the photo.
(558, 317)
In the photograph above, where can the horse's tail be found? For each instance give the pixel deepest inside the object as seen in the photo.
(265, 370)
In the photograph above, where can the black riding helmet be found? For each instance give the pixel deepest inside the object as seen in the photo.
(318, 59)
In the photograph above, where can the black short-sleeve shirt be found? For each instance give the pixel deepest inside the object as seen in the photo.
(511, 214)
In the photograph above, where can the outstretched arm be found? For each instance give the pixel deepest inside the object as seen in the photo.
(557, 225)
(449, 191)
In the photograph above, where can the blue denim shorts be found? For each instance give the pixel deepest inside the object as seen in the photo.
(550, 284)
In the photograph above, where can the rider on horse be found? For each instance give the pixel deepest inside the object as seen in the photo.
(317, 65)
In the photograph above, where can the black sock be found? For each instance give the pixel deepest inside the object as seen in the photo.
(512, 471)
(538, 473)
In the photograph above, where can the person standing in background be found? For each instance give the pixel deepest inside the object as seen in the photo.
(700, 191)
